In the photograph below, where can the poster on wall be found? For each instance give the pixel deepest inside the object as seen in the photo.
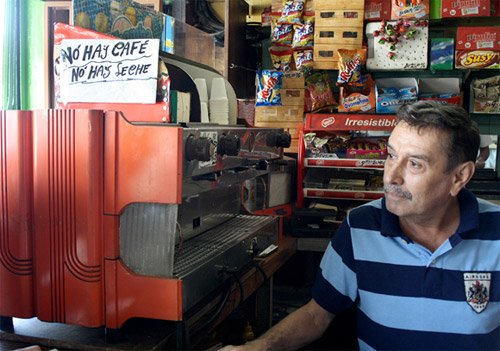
(109, 70)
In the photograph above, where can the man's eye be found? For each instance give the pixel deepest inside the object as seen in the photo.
(391, 155)
(414, 164)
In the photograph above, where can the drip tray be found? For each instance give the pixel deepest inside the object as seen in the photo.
(217, 240)
(208, 260)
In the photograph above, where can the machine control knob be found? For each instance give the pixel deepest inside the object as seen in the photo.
(229, 145)
(278, 139)
(200, 148)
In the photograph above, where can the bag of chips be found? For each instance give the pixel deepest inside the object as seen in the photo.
(281, 59)
(303, 35)
(292, 12)
(303, 60)
(320, 92)
(282, 34)
(268, 88)
(350, 63)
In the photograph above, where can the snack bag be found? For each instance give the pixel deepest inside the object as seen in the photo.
(292, 12)
(303, 60)
(350, 63)
(282, 34)
(268, 88)
(281, 59)
(320, 92)
(303, 35)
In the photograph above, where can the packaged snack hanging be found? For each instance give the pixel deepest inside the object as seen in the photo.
(303, 60)
(320, 92)
(292, 12)
(303, 35)
(268, 88)
(281, 59)
(282, 34)
(350, 64)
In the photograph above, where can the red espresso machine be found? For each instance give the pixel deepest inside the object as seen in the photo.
(108, 213)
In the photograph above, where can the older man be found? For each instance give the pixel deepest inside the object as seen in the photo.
(422, 264)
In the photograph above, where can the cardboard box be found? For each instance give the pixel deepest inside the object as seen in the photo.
(339, 4)
(293, 80)
(442, 53)
(326, 55)
(481, 100)
(246, 110)
(278, 114)
(445, 90)
(495, 8)
(465, 8)
(167, 35)
(418, 9)
(350, 18)
(358, 99)
(389, 104)
(410, 54)
(367, 148)
(292, 97)
(376, 10)
(477, 47)
(338, 35)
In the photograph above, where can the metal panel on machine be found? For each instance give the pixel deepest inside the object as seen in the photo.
(67, 212)
(16, 257)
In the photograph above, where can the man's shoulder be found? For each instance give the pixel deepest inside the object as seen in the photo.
(367, 216)
(486, 206)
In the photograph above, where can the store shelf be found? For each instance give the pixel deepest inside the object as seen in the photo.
(329, 161)
(342, 194)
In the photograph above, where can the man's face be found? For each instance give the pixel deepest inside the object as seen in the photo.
(415, 181)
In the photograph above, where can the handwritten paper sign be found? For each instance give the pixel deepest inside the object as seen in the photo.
(109, 70)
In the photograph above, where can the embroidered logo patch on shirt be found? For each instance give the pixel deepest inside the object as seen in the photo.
(477, 290)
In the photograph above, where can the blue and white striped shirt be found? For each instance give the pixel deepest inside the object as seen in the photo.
(407, 296)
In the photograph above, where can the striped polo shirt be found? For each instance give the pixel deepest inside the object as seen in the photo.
(407, 296)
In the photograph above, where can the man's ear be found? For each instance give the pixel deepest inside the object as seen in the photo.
(461, 176)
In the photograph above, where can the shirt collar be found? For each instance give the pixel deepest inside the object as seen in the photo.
(469, 217)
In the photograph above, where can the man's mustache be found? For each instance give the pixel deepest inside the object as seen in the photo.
(390, 188)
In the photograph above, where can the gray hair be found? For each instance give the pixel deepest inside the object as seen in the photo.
(463, 142)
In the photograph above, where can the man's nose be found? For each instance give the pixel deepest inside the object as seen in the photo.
(393, 172)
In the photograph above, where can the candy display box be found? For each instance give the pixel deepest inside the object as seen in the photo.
(442, 53)
(376, 10)
(477, 47)
(485, 96)
(408, 54)
(445, 90)
(392, 93)
(465, 8)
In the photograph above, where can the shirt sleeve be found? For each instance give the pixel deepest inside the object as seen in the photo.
(485, 140)
(336, 285)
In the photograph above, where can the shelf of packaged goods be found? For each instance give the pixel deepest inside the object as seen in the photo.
(328, 162)
(342, 194)
(348, 122)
